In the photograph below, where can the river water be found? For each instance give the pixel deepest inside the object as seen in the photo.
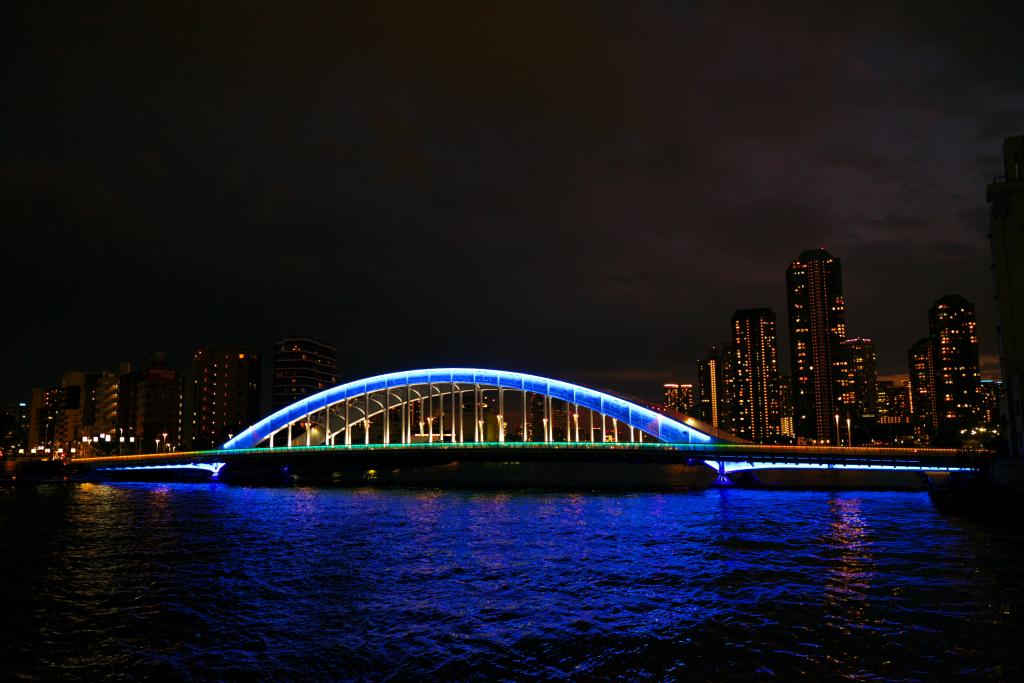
(211, 581)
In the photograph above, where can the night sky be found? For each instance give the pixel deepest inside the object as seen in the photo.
(585, 191)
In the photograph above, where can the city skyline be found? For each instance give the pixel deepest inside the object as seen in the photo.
(646, 387)
(591, 172)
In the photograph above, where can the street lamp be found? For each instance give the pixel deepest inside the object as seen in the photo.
(839, 441)
(849, 432)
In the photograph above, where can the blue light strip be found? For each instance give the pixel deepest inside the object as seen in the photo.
(731, 467)
(627, 412)
(213, 468)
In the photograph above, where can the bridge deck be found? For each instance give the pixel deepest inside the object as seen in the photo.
(920, 458)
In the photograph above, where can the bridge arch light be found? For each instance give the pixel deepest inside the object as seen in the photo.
(631, 414)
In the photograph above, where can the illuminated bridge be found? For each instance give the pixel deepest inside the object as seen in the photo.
(436, 416)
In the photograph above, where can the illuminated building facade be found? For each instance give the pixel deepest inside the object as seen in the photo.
(1006, 195)
(858, 399)
(225, 395)
(954, 340)
(78, 408)
(786, 429)
(714, 388)
(817, 328)
(302, 367)
(680, 397)
(44, 412)
(921, 363)
(894, 417)
(755, 375)
(991, 399)
(158, 407)
(109, 405)
(14, 426)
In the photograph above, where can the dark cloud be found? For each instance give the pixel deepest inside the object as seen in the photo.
(583, 189)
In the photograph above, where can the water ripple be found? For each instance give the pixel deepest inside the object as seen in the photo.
(215, 582)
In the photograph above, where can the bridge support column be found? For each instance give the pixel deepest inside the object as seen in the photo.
(501, 415)
(348, 424)
(524, 439)
(476, 414)
(272, 439)
(547, 419)
(430, 412)
(722, 479)
(568, 421)
(440, 414)
(455, 436)
(402, 407)
(386, 414)
(590, 435)
(366, 419)
(327, 425)
(289, 435)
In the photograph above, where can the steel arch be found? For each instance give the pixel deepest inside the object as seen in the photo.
(627, 412)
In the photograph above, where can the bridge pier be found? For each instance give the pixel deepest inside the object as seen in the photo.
(722, 479)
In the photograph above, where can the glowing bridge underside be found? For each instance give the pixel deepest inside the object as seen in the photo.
(465, 405)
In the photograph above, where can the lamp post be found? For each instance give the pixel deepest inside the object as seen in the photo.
(839, 441)
(849, 432)
(165, 440)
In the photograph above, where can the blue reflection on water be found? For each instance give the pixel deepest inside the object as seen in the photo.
(179, 580)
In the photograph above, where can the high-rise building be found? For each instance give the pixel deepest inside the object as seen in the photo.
(991, 398)
(680, 397)
(158, 406)
(954, 340)
(115, 401)
(225, 395)
(921, 362)
(858, 400)
(1006, 195)
(755, 396)
(817, 328)
(78, 411)
(786, 408)
(714, 388)
(44, 413)
(302, 367)
(14, 425)
(894, 415)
